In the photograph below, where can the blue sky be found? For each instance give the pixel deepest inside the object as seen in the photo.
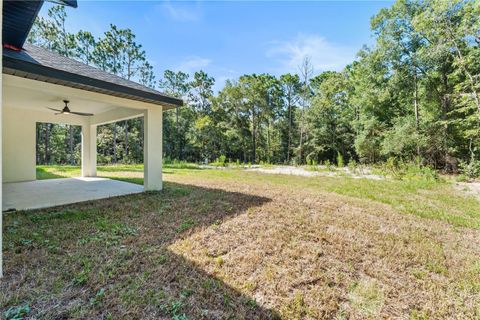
(230, 38)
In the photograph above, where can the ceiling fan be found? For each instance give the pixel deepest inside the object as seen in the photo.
(66, 110)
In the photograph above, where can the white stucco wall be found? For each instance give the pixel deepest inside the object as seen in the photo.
(19, 138)
(18, 151)
(152, 149)
(19, 141)
(25, 104)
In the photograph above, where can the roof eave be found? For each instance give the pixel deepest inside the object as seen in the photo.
(68, 3)
(46, 74)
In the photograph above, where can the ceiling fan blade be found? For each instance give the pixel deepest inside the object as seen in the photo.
(54, 109)
(58, 113)
(81, 113)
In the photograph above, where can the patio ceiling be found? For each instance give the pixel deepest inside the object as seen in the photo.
(21, 93)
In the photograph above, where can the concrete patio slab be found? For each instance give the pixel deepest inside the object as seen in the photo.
(53, 192)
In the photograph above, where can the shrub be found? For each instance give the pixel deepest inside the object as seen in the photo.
(178, 164)
(470, 170)
(399, 169)
(340, 162)
(403, 140)
(221, 161)
(352, 166)
(266, 164)
(329, 165)
(311, 162)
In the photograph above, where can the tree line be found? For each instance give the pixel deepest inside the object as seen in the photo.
(411, 96)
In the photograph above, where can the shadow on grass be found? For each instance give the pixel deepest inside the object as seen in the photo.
(139, 167)
(111, 258)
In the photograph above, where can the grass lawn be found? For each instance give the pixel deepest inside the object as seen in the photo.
(230, 244)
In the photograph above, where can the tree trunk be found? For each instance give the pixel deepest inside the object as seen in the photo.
(289, 145)
(114, 143)
(126, 138)
(47, 133)
(415, 106)
(177, 142)
(254, 137)
(269, 150)
(445, 108)
(72, 158)
(300, 150)
(37, 144)
(415, 101)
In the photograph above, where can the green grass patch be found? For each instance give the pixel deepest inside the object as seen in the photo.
(56, 172)
(185, 225)
(427, 198)
(132, 173)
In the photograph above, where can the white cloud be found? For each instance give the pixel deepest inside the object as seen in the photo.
(192, 64)
(182, 11)
(324, 55)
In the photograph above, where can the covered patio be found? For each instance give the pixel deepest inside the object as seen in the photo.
(35, 79)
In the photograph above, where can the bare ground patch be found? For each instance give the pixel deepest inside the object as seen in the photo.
(470, 188)
(317, 171)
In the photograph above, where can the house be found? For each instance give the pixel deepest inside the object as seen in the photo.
(34, 80)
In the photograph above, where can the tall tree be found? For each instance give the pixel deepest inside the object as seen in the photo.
(330, 120)
(291, 88)
(175, 84)
(306, 72)
(51, 33)
(201, 91)
(85, 47)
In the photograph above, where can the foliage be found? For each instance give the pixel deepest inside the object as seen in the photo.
(340, 162)
(178, 164)
(398, 169)
(353, 166)
(412, 95)
(221, 161)
(402, 140)
(17, 313)
(471, 169)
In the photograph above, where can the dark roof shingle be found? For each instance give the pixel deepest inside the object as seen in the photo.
(40, 64)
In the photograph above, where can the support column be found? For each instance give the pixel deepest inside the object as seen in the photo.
(152, 149)
(89, 150)
(1, 148)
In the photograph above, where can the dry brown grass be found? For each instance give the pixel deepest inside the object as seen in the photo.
(239, 246)
(310, 254)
